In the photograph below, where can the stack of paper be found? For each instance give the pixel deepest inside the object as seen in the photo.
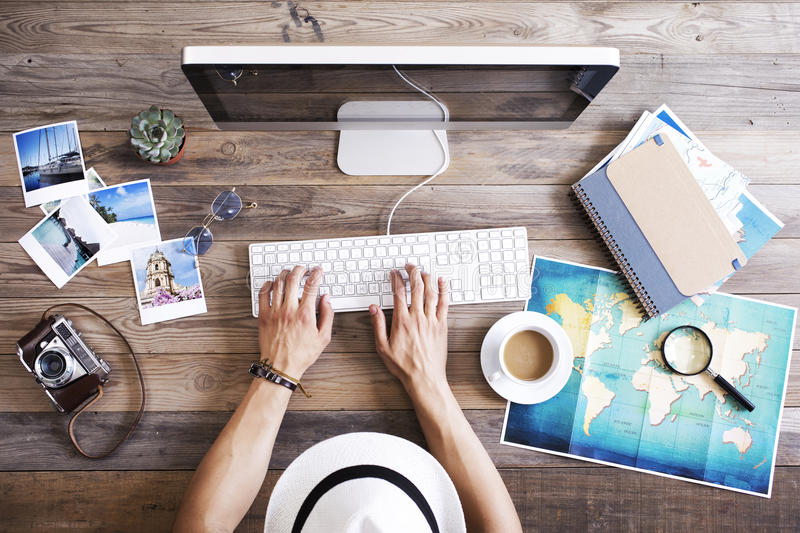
(748, 221)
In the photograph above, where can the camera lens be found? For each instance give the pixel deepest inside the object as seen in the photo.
(52, 365)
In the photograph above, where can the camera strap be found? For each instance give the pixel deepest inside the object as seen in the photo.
(100, 387)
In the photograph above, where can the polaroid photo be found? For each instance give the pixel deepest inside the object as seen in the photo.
(67, 240)
(129, 210)
(167, 282)
(95, 182)
(50, 162)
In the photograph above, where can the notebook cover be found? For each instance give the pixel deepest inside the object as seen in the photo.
(676, 218)
(637, 260)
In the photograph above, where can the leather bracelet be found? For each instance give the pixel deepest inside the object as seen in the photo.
(258, 370)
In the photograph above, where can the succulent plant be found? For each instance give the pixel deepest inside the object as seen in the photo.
(156, 134)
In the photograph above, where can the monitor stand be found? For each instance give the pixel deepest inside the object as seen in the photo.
(390, 152)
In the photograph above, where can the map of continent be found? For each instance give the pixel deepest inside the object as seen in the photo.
(623, 406)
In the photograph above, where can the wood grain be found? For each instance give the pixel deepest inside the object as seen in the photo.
(730, 70)
(294, 212)
(229, 328)
(178, 441)
(549, 500)
(727, 27)
(309, 158)
(739, 92)
(192, 382)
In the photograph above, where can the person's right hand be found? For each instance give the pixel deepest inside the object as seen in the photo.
(416, 349)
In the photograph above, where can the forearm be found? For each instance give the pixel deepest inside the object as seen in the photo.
(484, 497)
(230, 475)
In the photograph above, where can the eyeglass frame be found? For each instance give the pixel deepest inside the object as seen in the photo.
(211, 217)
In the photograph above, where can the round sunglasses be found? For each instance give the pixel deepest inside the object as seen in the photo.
(226, 206)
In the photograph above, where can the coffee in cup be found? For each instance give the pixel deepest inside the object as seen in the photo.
(527, 355)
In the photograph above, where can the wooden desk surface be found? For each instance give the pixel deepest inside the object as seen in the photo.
(730, 70)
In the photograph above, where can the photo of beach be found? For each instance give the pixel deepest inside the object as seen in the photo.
(67, 240)
(167, 282)
(129, 211)
(50, 162)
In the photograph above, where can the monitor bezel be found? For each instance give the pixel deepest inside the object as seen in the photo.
(311, 54)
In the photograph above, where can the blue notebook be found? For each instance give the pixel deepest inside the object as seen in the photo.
(655, 185)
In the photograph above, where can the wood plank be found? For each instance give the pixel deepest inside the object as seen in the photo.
(224, 270)
(352, 381)
(737, 91)
(549, 500)
(229, 328)
(478, 158)
(726, 27)
(178, 441)
(337, 211)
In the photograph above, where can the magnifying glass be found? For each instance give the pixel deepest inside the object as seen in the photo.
(687, 351)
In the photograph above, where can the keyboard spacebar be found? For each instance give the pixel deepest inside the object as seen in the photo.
(354, 303)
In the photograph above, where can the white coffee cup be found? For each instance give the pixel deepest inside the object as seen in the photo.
(504, 371)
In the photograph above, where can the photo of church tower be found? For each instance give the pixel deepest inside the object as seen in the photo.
(167, 281)
(158, 275)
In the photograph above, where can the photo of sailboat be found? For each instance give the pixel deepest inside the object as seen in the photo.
(50, 155)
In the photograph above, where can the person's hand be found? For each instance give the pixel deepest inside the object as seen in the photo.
(416, 349)
(288, 333)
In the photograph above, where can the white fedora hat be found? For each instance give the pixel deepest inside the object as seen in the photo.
(364, 482)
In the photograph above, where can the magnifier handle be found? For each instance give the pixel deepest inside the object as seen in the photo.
(722, 382)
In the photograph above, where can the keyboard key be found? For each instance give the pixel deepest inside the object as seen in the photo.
(349, 303)
(257, 259)
(492, 293)
(420, 249)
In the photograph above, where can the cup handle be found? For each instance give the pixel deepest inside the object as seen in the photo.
(494, 376)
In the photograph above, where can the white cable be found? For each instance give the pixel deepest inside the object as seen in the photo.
(439, 137)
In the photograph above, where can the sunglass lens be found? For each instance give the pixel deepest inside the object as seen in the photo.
(198, 240)
(227, 205)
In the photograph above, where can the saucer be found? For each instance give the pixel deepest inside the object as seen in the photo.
(518, 392)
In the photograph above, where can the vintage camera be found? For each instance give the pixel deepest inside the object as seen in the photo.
(67, 369)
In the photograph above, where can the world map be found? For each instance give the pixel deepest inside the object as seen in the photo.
(624, 407)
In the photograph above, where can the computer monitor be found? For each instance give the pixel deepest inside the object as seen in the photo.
(394, 104)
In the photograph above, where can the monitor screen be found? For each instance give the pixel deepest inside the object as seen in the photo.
(308, 96)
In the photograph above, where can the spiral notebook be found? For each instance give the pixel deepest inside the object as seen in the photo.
(660, 228)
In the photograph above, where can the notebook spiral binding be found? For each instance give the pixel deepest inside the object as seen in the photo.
(644, 301)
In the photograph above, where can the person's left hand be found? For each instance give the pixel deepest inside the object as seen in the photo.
(288, 333)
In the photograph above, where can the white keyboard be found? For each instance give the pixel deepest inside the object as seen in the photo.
(490, 265)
